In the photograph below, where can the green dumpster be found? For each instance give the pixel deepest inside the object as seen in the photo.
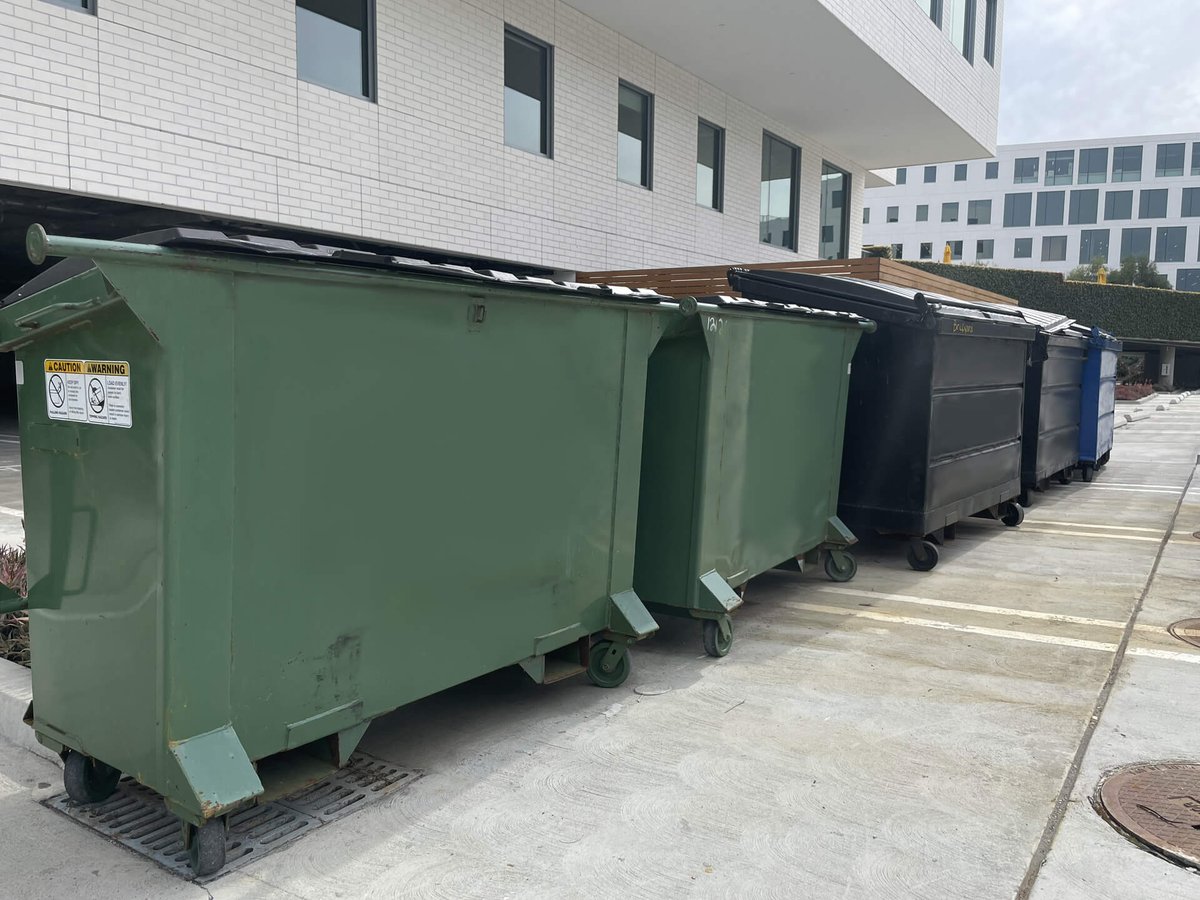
(275, 490)
(745, 410)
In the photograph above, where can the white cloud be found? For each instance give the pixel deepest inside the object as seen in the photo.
(1099, 68)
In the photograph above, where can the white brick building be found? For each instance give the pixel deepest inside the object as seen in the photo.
(1052, 206)
(212, 108)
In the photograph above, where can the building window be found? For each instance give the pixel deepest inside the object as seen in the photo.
(897, 251)
(1054, 249)
(1170, 244)
(926, 250)
(1050, 207)
(526, 93)
(1127, 164)
(1016, 210)
(335, 45)
(1191, 202)
(1093, 246)
(933, 8)
(893, 214)
(1084, 207)
(1152, 204)
(1187, 279)
(1025, 171)
(780, 184)
(991, 171)
(1135, 242)
(835, 224)
(922, 212)
(985, 249)
(88, 6)
(1093, 165)
(989, 31)
(960, 171)
(1118, 205)
(1060, 166)
(902, 176)
(949, 212)
(1196, 158)
(1023, 248)
(866, 215)
(930, 174)
(710, 165)
(979, 212)
(635, 121)
(1170, 160)
(962, 27)
(955, 249)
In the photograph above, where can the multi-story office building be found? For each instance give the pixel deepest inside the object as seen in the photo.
(587, 134)
(1051, 206)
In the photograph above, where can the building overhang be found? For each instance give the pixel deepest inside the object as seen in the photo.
(796, 61)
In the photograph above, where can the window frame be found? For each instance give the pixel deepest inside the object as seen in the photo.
(370, 51)
(1046, 245)
(1059, 156)
(794, 200)
(1192, 194)
(956, 254)
(1160, 171)
(950, 206)
(933, 8)
(1137, 229)
(87, 7)
(1075, 203)
(719, 170)
(991, 170)
(898, 254)
(1167, 231)
(1089, 176)
(647, 178)
(547, 122)
(1126, 193)
(919, 217)
(1122, 152)
(1033, 178)
(926, 250)
(1017, 254)
(991, 242)
(990, 20)
(887, 215)
(978, 220)
(1195, 158)
(1146, 196)
(1028, 202)
(960, 167)
(927, 179)
(902, 175)
(1086, 234)
(844, 250)
(1043, 212)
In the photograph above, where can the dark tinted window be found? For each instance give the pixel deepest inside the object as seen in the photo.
(897, 251)
(1169, 244)
(526, 93)
(1093, 165)
(1023, 248)
(985, 249)
(930, 174)
(902, 176)
(955, 249)
(1050, 207)
(1135, 242)
(1152, 204)
(926, 250)
(334, 45)
(922, 212)
(1054, 249)
(893, 214)
(1170, 160)
(979, 212)
(1191, 202)
(1118, 205)
(1093, 244)
(835, 191)
(960, 171)
(780, 175)
(1017, 208)
(1196, 158)
(633, 135)
(1060, 166)
(1025, 170)
(989, 31)
(710, 165)
(992, 170)
(82, 5)
(1084, 207)
(949, 212)
(1187, 280)
(1127, 164)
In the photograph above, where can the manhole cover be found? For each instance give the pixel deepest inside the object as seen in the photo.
(136, 817)
(1196, 534)
(1158, 806)
(1187, 630)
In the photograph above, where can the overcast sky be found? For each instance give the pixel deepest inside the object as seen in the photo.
(1099, 68)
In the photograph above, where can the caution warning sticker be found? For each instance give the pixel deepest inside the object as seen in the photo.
(91, 391)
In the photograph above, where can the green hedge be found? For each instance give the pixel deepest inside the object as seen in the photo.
(1127, 312)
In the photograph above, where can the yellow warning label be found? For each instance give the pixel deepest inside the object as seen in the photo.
(106, 368)
(66, 366)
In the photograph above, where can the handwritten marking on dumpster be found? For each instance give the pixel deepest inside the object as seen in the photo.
(91, 391)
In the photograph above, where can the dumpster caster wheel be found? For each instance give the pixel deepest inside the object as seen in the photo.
(1103, 461)
(206, 847)
(922, 555)
(1064, 477)
(840, 566)
(718, 636)
(88, 780)
(608, 664)
(1087, 474)
(1012, 514)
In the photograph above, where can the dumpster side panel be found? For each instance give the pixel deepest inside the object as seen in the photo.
(425, 491)
(1051, 436)
(1099, 402)
(93, 500)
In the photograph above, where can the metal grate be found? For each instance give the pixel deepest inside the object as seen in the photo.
(1157, 806)
(136, 818)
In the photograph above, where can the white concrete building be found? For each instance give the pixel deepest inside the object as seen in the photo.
(1051, 206)
(562, 135)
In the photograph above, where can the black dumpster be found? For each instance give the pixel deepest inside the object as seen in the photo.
(933, 424)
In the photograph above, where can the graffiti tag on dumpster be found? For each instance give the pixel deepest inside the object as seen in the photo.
(95, 392)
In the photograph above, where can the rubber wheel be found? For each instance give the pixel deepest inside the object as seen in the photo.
(1103, 461)
(615, 675)
(1064, 477)
(714, 643)
(840, 566)
(922, 555)
(88, 780)
(206, 852)
(1087, 474)
(1012, 514)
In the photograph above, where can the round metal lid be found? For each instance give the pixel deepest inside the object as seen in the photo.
(1158, 806)
(1187, 630)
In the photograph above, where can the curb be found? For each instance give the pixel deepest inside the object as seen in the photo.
(16, 690)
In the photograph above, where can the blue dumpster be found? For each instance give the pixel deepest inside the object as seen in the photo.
(1099, 402)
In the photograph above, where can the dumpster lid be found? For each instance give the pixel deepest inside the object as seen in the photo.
(1100, 338)
(751, 304)
(214, 241)
(873, 299)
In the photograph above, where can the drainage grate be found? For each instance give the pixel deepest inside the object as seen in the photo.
(1187, 630)
(1157, 805)
(136, 817)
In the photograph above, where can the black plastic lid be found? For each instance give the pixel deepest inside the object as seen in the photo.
(750, 304)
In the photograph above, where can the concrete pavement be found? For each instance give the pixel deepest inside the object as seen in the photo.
(908, 735)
